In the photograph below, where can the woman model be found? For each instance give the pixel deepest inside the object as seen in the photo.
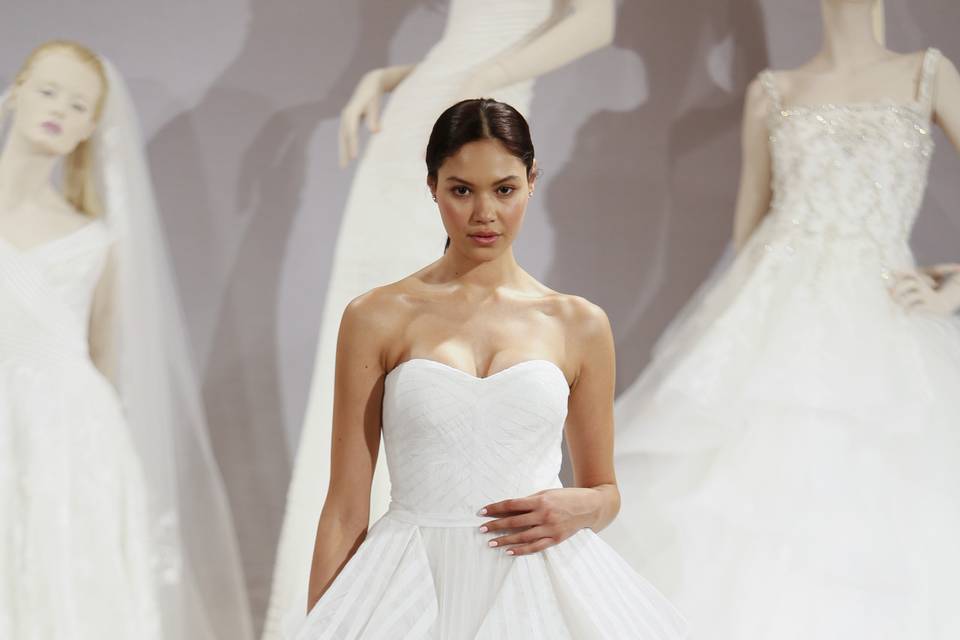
(388, 229)
(790, 462)
(473, 370)
(96, 485)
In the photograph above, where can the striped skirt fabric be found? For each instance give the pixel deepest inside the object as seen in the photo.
(417, 582)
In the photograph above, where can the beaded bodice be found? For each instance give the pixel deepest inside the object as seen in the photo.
(851, 173)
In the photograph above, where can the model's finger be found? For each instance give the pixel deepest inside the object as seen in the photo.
(529, 519)
(534, 547)
(521, 537)
(508, 507)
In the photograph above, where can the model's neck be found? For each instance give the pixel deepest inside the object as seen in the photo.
(25, 174)
(848, 33)
(488, 274)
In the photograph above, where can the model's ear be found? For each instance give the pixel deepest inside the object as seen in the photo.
(533, 175)
(432, 185)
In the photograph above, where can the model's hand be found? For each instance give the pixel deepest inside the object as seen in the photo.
(364, 104)
(541, 520)
(932, 289)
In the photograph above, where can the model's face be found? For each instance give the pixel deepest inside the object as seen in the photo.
(482, 192)
(55, 107)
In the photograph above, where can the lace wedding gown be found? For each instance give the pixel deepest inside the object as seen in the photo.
(455, 442)
(390, 229)
(790, 462)
(74, 553)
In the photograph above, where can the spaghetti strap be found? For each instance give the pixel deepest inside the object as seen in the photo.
(928, 73)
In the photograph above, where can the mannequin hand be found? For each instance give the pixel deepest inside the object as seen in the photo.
(543, 519)
(932, 289)
(364, 103)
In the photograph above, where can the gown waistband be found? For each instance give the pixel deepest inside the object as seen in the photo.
(426, 519)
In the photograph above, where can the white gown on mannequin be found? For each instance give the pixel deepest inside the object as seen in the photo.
(790, 462)
(75, 557)
(390, 229)
(455, 442)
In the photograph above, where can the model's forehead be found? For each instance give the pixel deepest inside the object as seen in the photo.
(486, 158)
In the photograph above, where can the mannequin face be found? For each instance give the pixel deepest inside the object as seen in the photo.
(482, 191)
(55, 106)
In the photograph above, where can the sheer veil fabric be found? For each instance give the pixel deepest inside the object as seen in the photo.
(199, 579)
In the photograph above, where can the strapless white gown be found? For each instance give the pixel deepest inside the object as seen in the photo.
(790, 462)
(390, 229)
(455, 442)
(75, 557)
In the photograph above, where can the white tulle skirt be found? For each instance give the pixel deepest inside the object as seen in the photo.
(74, 556)
(790, 462)
(419, 582)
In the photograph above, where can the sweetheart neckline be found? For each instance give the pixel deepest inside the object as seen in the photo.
(444, 365)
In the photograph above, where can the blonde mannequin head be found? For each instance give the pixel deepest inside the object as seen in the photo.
(80, 121)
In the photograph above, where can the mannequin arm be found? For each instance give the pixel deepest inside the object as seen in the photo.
(365, 104)
(589, 25)
(937, 288)
(946, 101)
(102, 325)
(755, 192)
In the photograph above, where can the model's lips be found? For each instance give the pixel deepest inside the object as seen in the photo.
(52, 127)
(485, 237)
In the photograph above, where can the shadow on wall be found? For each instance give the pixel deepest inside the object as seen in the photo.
(260, 158)
(647, 200)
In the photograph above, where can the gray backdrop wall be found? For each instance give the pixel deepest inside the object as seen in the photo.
(239, 100)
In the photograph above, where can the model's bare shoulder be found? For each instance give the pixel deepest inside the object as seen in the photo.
(375, 315)
(583, 319)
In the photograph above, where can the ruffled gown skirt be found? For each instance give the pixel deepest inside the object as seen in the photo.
(790, 462)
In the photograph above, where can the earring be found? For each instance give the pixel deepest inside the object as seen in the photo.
(434, 197)
(530, 194)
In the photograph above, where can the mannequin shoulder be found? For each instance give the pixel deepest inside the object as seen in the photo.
(946, 76)
(756, 102)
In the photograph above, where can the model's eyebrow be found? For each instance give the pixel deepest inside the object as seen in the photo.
(470, 184)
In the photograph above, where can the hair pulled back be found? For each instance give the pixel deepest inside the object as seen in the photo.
(478, 119)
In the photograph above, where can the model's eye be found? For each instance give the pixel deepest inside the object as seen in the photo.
(505, 190)
(47, 92)
(79, 107)
(461, 190)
